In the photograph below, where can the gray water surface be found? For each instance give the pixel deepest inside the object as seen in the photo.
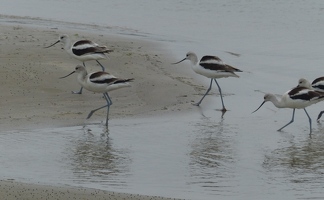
(192, 156)
(197, 155)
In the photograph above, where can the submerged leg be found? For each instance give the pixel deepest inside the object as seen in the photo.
(210, 86)
(221, 95)
(292, 120)
(310, 122)
(320, 115)
(103, 69)
(109, 102)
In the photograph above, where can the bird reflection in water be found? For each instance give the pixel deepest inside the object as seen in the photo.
(213, 154)
(94, 157)
(300, 161)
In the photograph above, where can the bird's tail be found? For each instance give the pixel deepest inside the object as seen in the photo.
(124, 80)
(104, 49)
(108, 51)
(233, 68)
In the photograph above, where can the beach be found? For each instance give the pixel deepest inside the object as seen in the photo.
(33, 96)
(157, 143)
(10, 190)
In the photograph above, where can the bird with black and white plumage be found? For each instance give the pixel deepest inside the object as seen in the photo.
(99, 82)
(296, 98)
(317, 84)
(211, 67)
(83, 50)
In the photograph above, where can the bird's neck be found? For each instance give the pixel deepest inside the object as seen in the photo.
(277, 103)
(82, 77)
(67, 44)
(194, 61)
(194, 65)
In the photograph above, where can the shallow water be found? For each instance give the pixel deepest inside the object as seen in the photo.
(194, 156)
(197, 155)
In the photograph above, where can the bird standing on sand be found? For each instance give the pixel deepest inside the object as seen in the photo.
(83, 50)
(211, 67)
(317, 84)
(298, 97)
(99, 82)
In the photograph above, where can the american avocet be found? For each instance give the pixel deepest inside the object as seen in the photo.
(83, 50)
(99, 82)
(211, 67)
(298, 97)
(317, 84)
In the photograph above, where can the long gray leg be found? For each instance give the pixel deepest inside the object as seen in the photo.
(108, 100)
(292, 120)
(103, 69)
(310, 122)
(221, 95)
(210, 86)
(79, 92)
(320, 115)
(93, 111)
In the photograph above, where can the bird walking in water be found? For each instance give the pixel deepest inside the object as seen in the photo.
(296, 98)
(317, 84)
(83, 50)
(211, 67)
(99, 82)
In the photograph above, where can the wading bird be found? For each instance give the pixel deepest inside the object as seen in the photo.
(317, 84)
(298, 97)
(211, 67)
(99, 82)
(83, 50)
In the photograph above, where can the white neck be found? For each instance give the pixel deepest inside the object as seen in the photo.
(67, 43)
(276, 102)
(194, 60)
(194, 64)
(82, 77)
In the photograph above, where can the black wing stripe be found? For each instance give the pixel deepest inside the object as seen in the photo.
(304, 96)
(82, 42)
(89, 50)
(210, 58)
(124, 80)
(213, 66)
(321, 87)
(105, 81)
(318, 80)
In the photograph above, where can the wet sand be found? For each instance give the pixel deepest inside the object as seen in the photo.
(12, 191)
(33, 96)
